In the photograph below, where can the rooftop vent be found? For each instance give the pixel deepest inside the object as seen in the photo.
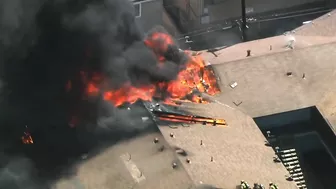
(248, 53)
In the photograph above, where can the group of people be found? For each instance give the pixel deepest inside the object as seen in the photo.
(244, 185)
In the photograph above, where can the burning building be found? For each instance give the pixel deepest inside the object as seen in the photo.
(73, 76)
(293, 114)
(83, 90)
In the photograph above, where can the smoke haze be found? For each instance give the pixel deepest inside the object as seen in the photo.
(43, 45)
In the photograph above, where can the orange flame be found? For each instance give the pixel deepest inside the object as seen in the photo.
(160, 43)
(27, 138)
(194, 79)
(129, 94)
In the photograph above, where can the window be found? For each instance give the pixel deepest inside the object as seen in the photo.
(137, 10)
(137, 6)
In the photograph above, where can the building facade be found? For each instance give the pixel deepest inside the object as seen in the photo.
(194, 14)
(150, 13)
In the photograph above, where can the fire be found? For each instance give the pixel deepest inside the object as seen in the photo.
(191, 82)
(27, 138)
(129, 94)
(160, 43)
(195, 78)
(92, 88)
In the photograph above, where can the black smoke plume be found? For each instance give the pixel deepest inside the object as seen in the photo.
(43, 45)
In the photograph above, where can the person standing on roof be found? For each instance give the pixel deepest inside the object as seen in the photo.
(244, 185)
(258, 186)
(273, 186)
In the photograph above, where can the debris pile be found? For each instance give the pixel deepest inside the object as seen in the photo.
(194, 78)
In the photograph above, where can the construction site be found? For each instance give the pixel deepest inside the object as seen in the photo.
(261, 112)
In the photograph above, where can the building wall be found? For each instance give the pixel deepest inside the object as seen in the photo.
(232, 8)
(186, 13)
(151, 14)
(285, 118)
(311, 114)
(197, 6)
(308, 142)
(325, 131)
(169, 24)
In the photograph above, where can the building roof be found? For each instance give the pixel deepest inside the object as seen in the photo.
(264, 88)
(238, 151)
(264, 46)
(327, 107)
(320, 31)
(322, 26)
(113, 169)
(263, 75)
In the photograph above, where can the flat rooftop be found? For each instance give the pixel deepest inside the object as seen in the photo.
(269, 82)
(264, 46)
(322, 26)
(136, 163)
(238, 150)
(264, 87)
(319, 31)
